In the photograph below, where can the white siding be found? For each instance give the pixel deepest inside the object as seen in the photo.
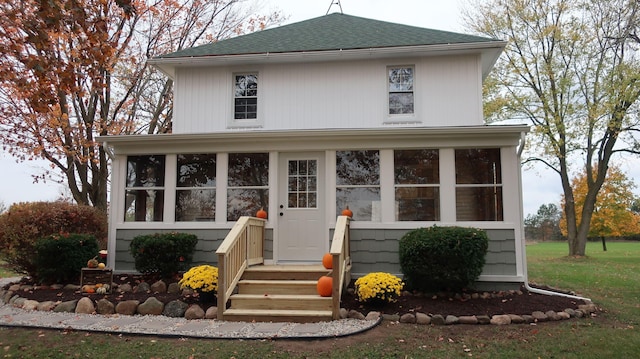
(331, 95)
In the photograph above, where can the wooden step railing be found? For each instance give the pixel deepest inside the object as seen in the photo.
(242, 247)
(341, 253)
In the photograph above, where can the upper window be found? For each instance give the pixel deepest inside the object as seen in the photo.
(248, 186)
(144, 192)
(478, 185)
(417, 178)
(401, 90)
(245, 97)
(358, 184)
(196, 187)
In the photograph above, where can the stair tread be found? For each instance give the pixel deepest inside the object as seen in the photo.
(278, 281)
(287, 268)
(280, 296)
(276, 312)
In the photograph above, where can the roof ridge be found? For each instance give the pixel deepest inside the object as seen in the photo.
(335, 31)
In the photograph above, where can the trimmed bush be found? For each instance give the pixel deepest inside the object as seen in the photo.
(60, 258)
(442, 258)
(25, 223)
(165, 254)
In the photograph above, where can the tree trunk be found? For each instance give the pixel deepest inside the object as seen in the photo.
(604, 243)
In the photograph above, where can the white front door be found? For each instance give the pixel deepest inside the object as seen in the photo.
(302, 233)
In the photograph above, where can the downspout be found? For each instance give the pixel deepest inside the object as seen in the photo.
(523, 244)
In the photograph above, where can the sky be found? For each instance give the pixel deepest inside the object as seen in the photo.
(540, 185)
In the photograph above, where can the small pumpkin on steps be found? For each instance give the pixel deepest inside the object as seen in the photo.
(261, 213)
(325, 286)
(327, 261)
(347, 212)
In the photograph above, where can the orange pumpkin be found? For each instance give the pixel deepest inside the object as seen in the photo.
(347, 212)
(261, 213)
(325, 286)
(327, 261)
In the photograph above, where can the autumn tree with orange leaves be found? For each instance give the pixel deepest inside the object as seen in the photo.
(72, 70)
(613, 215)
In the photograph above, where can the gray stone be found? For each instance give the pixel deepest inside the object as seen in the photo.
(483, 319)
(408, 318)
(85, 306)
(175, 309)
(528, 318)
(143, 287)
(14, 287)
(500, 320)
(450, 320)
(46, 306)
(127, 307)
(105, 307)
(588, 308)
(437, 319)
(571, 312)
(66, 307)
(151, 306)
(343, 313)
(579, 313)
(26, 287)
(7, 296)
(354, 314)
(18, 301)
(211, 313)
(391, 317)
(423, 319)
(468, 319)
(516, 319)
(30, 304)
(125, 288)
(194, 312)
(563, 315)
(56, 286)
(552, 315)
(159, 287)
(173, 288)
(538, 316)
(372, 316)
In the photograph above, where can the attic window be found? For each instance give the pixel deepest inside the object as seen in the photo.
(400, 90)
(246, 97)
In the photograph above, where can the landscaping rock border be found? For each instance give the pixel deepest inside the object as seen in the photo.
(180, 309)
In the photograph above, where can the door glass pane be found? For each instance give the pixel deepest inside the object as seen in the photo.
(302, 184)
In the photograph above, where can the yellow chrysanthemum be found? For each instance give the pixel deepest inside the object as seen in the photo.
(203, 278)
(378, 286)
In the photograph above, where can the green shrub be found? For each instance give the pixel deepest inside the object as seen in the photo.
(60, 258)
(442, 258)
(165, 254)
(24, 223)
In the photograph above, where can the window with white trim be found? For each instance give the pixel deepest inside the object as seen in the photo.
(478, 185)
(417, 184)
(245, 96)
(196, 187)
(400, 88)
(144, 189)
(358, 184)
(248, 184)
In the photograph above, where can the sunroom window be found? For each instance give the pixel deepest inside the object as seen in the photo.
(358, 184)
(196, 187)
(417, 178)
(478, 185)
(246, 96)
(248, 184)
(400, 88)
(144, 192)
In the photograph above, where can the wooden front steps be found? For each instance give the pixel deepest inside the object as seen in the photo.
(279, 293)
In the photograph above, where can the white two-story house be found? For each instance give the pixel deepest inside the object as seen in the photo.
(306, 119)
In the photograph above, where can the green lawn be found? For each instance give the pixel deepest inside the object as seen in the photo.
(5, 271)
(609, 278)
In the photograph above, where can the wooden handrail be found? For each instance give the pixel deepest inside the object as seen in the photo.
(341, 253)
(243, 246)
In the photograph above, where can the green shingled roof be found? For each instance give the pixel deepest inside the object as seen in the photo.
(330, 32)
